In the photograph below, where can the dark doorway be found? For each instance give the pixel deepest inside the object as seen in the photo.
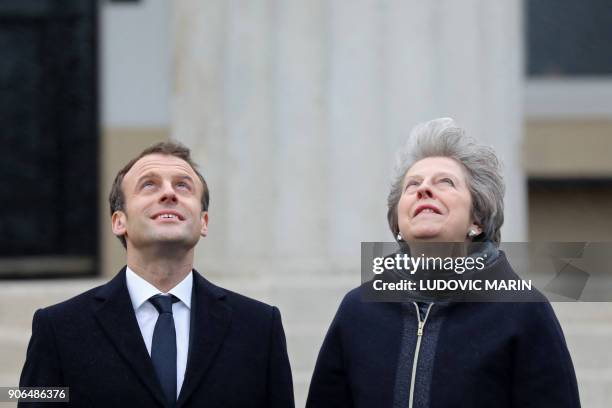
(49, 132)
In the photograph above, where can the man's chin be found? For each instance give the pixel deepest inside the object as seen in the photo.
(170, 242)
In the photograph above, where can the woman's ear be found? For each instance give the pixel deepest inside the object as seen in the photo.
(474, 230)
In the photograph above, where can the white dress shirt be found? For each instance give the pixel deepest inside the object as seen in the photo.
(140, 291)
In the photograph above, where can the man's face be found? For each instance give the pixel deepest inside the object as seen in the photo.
(162, 204)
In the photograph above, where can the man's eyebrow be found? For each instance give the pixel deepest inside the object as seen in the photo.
(185, 177)
(147, 175)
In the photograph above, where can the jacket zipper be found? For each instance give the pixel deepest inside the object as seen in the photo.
(415, 360)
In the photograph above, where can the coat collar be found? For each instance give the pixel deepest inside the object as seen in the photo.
(210, 319)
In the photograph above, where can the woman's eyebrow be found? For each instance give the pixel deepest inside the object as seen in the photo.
(445, 174)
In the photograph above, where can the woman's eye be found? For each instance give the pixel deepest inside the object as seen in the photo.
(411, 183)
(447, 180)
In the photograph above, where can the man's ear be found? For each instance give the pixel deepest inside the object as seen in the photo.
(118, 222)
(204, 220)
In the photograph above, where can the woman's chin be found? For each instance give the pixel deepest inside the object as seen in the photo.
(431, 235)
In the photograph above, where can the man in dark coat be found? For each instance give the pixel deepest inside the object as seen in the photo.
(159, 334)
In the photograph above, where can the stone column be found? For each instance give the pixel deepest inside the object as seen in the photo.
(295, 110)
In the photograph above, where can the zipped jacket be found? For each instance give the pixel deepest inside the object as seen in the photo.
(386, 354)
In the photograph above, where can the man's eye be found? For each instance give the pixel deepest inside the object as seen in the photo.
(147, 184)
(183, 185)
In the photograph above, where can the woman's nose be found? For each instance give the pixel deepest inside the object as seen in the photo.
(424, 191)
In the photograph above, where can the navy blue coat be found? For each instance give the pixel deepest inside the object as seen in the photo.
(503, 355)
(92, 343)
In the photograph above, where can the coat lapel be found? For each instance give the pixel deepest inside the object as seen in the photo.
(210, 319)
(115, 314)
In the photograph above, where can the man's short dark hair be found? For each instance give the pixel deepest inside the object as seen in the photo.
(116, 197)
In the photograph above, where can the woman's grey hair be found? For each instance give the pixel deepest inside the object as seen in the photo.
(442, 138)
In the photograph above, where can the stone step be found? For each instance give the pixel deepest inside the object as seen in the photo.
(13, 346)
(20, 299)
(595, 387)
(301, 382)
(303, 347)
(308, 304)
(589, 345)
(581, 311)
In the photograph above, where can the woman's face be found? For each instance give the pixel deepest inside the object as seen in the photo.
(436, 204)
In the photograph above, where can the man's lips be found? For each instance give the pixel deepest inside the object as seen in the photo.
(168, 215)
(426, 209)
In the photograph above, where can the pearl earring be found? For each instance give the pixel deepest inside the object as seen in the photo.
(399, 236)
(472, 233)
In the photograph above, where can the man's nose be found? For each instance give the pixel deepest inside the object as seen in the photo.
(168, 194)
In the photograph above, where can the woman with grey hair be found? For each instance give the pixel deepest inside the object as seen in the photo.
(436, 352)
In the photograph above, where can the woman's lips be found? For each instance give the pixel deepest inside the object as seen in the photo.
(426, 209)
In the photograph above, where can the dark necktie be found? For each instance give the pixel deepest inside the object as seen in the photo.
(163, 347)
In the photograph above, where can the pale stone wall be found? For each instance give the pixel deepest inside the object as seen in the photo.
(295, 109)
